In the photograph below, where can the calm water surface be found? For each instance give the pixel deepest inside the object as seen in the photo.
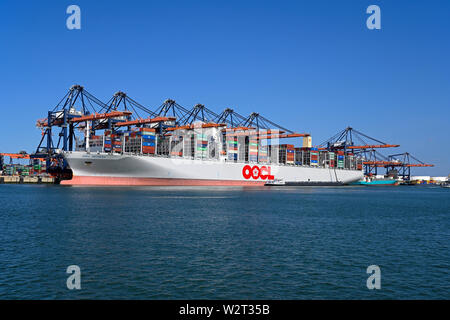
(195, 243)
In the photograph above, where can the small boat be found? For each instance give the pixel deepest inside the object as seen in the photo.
(445, 185)
(376, 182)
(276, 182)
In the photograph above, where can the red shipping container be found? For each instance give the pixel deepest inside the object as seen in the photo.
(147, 130)
(148, 149)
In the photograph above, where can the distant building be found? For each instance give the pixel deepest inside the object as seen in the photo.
(439, 179)
(429, 178)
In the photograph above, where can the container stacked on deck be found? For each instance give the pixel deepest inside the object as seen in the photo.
(96, 143)
(274, 153)
(253, 149)
(202, 146)
(242, 139)
(18, 169)
(162, 145)
(9, 170)
(340, 159)
(314, 156)
(148, 140)
(116, 142)
(176, 145)
(298, 156)
(306, 156)
(107, 146)
(323, 158)
(286, 153)
(290, 154)
(349, 164)
(281, 153)
(25, 171)
(132, 142)
(37, 168)
(232, 148)
(331, 159)
(359, 165)
(188, 145)
(263, 157)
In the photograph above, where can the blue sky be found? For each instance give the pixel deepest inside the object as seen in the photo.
(312, 66)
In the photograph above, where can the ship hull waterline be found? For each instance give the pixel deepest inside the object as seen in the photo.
(141, 170)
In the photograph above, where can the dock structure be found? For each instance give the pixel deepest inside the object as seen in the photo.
(26, 180)
(397, 165)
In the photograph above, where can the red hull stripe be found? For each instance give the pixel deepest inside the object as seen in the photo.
(123, 181)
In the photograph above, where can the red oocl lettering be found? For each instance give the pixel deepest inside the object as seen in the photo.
(256, 172)
(247, 172)
(263, 174)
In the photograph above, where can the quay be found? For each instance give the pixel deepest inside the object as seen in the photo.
(25, 180)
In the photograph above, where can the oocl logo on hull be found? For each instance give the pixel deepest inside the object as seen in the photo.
(256, 172)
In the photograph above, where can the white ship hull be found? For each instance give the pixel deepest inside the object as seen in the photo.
(122, 169)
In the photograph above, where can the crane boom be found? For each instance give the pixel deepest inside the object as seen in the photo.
(98, 116)
(144, 121)
(16, 155)
(373, 146)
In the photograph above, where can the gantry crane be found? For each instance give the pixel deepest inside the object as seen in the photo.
(351, 139)
(407, 161)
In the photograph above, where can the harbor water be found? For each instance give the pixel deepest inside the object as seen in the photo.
(224, 243)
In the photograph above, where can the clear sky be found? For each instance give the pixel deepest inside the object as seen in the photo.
(312, 66)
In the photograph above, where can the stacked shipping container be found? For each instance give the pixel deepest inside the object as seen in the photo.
(331, 159)
(176, 145)
(107, 143)
(202, 146)
(286, 154)
(298, 156)
(263, 156)
(253, 149)
(232, 148)
(340, 159)
(116, 140)
(148, 136)
(314, 152)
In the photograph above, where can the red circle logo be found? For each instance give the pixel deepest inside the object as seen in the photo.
(255, 172)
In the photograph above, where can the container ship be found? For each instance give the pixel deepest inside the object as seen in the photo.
(142, 169)
(175, 146)
(205, 155)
